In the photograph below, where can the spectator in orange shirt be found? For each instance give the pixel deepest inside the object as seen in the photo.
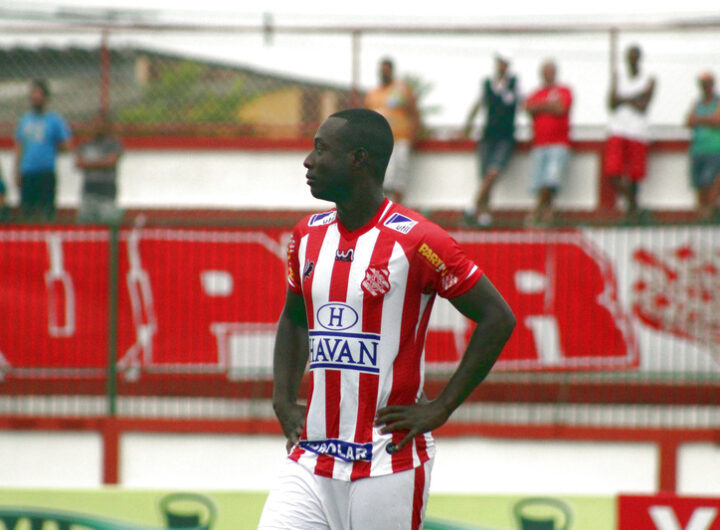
(549, 108)
(395, 100)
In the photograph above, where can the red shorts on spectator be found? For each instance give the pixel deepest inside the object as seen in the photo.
(625, 157)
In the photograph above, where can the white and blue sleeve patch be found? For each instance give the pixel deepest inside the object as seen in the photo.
(400, 223)
(321, 219)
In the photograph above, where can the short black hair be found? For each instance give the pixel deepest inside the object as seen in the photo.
(42, 85)
(369, 130)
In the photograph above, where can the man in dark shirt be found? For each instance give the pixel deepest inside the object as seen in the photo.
(500, 97)
(98, 159)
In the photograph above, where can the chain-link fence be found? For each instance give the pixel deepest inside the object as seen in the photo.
(280, 81)
(617, 326)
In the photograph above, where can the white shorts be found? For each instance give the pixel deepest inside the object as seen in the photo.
(397, 174)
(302, 500)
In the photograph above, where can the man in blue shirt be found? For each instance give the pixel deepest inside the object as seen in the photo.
(38, 137)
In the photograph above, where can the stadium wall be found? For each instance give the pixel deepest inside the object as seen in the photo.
(207, 173)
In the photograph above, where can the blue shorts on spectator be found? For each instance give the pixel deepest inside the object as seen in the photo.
(548, 165)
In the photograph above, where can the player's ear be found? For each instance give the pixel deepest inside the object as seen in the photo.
(360, 158)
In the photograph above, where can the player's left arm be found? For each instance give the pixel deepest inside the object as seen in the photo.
(495, 322)
(289, 359)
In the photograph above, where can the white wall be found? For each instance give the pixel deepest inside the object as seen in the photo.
(463, 465)
(276, 180)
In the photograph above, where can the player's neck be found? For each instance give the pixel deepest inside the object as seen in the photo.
(357, 211)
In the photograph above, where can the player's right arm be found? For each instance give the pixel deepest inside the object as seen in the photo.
(289, 361)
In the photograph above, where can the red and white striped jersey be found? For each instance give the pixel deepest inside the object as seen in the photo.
(368, 296)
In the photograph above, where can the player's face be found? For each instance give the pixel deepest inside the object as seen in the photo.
(328, 164)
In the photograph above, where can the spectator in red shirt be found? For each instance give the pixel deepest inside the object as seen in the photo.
(549, 108)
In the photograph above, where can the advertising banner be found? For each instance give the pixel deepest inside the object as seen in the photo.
(121, 509)
(206, 301)
(668, 512)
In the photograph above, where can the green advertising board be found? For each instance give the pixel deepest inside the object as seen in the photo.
(124, 509)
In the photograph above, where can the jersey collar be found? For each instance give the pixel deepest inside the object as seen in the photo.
(354, 234)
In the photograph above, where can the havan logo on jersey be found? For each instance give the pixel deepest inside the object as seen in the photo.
(400, 223)
(336, 348)
(346, 451)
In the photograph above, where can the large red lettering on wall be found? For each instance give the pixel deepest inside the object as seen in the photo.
(54, 300)
(206, 301)
(668, 512)
(563, 291)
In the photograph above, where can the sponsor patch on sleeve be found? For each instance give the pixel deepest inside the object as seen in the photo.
(400, 223)
(324, 218)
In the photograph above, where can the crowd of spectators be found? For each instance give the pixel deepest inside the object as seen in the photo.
(625, 153)
(41, 134)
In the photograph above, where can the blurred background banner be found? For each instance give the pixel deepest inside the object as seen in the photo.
(622, 306)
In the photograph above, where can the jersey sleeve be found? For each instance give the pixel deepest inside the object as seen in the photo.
(448, 271)
(293, 262)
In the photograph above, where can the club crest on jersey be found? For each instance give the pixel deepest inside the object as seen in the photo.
(308, 270)
(321, 219)
(400, 223)
(377, 281)
(344, 255)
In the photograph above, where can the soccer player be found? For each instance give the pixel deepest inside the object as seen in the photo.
(361, 283)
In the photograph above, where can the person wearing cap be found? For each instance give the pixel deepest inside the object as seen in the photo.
(500, 95)
(704, 120)
(626, 148)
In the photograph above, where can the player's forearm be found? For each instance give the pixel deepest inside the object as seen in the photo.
(289, 360)
(483, 350)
